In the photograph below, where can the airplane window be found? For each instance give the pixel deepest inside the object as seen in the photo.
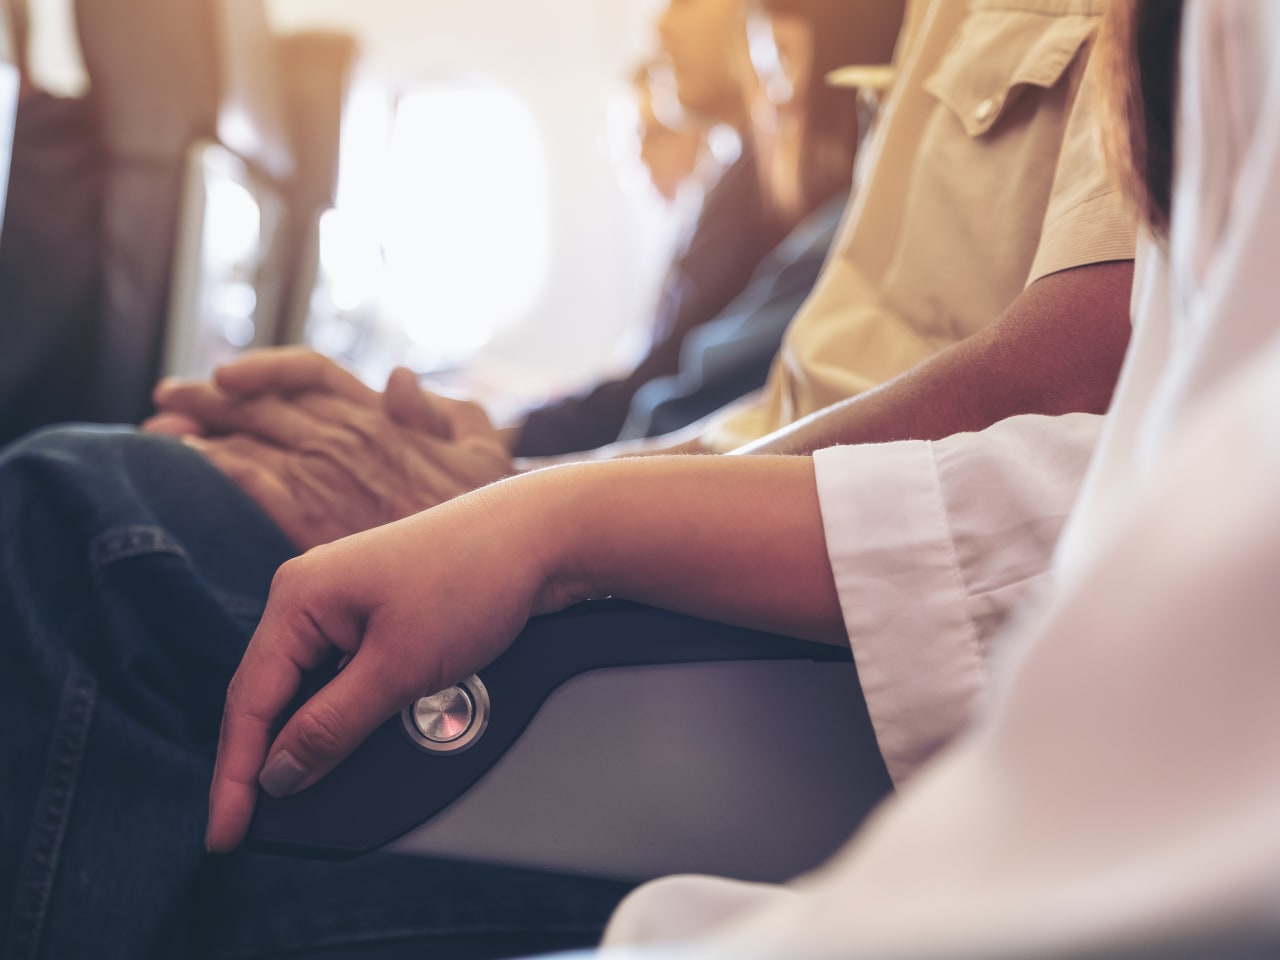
(233, 230)
(222, 264)
(458, 185)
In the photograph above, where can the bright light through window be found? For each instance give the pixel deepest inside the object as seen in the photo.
(441, 231)
(463, 216)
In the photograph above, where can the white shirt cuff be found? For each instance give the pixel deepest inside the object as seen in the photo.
(902, 594)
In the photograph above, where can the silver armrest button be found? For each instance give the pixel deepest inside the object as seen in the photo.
(445, 716)
(451, 720)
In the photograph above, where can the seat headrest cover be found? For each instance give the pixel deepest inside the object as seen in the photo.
(6, 42)
(251, 117)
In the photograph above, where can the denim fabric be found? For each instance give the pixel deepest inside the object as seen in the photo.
(132, 576)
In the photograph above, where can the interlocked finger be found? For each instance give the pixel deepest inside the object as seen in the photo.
(289, 371)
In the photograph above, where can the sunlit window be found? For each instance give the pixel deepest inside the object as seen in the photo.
(442, 227)
(232, 239)
(223, 298)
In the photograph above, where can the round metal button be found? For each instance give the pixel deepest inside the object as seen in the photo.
(445, 716)
(449, 721)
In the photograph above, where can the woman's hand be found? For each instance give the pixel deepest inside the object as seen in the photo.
(424, 602)
(417, 605)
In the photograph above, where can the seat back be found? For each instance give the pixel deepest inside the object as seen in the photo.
(154, 91)
(251, 112)
(50, 261)
(166, 76)
(235, 258)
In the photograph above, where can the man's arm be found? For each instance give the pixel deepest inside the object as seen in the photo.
(1057, 349)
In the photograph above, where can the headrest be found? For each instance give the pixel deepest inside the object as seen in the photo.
(165, 74)
(251, 115)
(153, 71)
(6, 41)
(316, 69)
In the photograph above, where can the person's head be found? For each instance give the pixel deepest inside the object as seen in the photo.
(1139, 52)
(705, 41)
(670, 144)
(796, 43)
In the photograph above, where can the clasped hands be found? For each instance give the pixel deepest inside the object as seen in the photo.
(322, 454)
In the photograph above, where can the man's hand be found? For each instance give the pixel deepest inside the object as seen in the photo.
(325, 456)
(323, 467)
(192, 408)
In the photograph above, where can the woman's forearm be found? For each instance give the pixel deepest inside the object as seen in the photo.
(733, 539)
(423, 602)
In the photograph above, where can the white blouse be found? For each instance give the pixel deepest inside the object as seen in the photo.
(1122, 782)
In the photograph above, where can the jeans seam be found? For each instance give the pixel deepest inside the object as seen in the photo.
(410, 932)
(122, 543)
(53, 809)
(119, 544)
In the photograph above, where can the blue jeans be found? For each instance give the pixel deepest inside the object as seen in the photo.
(132, 576)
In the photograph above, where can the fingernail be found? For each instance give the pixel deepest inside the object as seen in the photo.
(282, 775)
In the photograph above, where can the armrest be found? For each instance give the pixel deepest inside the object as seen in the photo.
(621, 741)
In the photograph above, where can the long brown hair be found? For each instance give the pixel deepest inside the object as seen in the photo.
(845, 32)
(1139, 49)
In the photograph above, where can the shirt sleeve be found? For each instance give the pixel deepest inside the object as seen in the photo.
(932, 545)
(1121, 790)
(730, 356)
(1088, 219)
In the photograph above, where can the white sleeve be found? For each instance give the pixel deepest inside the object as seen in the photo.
(1123, 785)
(932, 545)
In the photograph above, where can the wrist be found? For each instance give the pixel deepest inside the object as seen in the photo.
(555, 506)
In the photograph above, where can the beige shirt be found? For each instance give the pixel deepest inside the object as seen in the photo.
(985, 175)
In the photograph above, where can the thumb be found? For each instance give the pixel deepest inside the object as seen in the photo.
(412, 407)
(336, 720)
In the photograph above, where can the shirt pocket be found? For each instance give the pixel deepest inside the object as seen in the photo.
(997, 54)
